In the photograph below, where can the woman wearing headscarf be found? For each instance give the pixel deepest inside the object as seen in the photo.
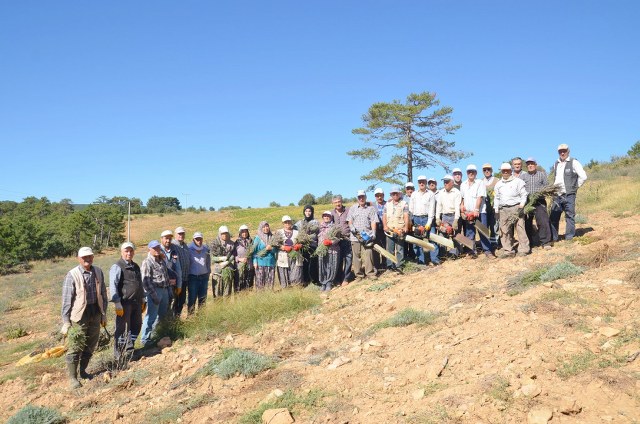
(309, 225)
(289, 270)
(329, 261)
(244, 264)
(223, 258)
(264, 260)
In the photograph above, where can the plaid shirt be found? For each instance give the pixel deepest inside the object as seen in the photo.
(535, 182)
(69, 292)
(154, 276)
(361, 219)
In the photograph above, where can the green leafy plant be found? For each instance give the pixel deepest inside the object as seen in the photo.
(231, 362)
(31, 414)
(561, 270)
(406, 317)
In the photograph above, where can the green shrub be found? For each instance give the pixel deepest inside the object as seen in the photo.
(524, 281)
(231, 362)
(406, 317)
(16, 333)
(379, 287)
(561, 270)
(576, 364)
(76, 338)
(36, 415)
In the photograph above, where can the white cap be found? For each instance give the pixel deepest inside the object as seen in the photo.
(506, 166)
(166, 233)
(378, 191)
(472, 167)
(286, 218)
(85, 251)
(179, 230)
(409, 184)
(223, 229)
(243, 227)
(422, 178)
(197, 234)
(127, 244)
(326, 213)
(431, 179)
(456, 170)
(563, 146)
(447, 177)
(361, 193)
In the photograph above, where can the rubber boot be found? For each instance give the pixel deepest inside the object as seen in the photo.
(72, 371)
(83, 369)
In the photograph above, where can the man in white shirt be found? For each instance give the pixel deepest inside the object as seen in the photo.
(473, 207)
(422, 208)
(510, 198)
(489, 183)
(569, 175)
(448, 209)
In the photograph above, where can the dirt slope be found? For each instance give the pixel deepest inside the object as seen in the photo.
(488, 357)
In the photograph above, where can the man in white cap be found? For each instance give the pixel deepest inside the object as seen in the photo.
(422, 208)
(172, 259)
(339, 214)
(473, 207)
(84, 304)
(457, 178)
(534, 181)
(125, 286)
(510, 198)
(409, 188)
(362, 227)
(199, 272)
(378, 260)
(448, 209)
(489, 183)
(395, 220)
(181, 246)
(569, 175)
(156, 284)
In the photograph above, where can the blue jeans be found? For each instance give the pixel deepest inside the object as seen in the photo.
(396, 247)
(436, 252)
(419, 251)
(563, 203)
(346, 258)
(198, 288)
(470, 232)
(154, 313)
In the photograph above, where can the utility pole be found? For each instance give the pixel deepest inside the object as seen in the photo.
(129, 223)
(186, 205)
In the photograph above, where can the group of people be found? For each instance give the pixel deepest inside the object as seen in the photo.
(335, 250)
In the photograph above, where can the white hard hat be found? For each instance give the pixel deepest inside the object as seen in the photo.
(243, 227)
(361, 193)
(378, 191)
(223, 229)
(506, 166)
(472, 167)
(422, 178)
(456, 170)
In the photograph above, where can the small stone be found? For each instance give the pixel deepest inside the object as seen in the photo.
(117, 415)
(457, 306)
(338, 362)
(164, 342)
(548, 285)
(106, 377)
(310, 348)
(277, 416)
(608, 331)
(539, 416)
(607, 345)
(356, 411)
(417, 394)
(229, 338)
(46, 378)
(531, 390)
(570, 407)
(374, 343)
(275, 394)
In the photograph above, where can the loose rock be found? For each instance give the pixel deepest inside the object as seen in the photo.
(277, 416)
(539, 416)
(608, 331)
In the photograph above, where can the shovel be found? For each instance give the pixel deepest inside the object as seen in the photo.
(442, 241)
(419, 242)
(465, 241)
(483, 229)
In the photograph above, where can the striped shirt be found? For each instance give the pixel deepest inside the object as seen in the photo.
(535, 182)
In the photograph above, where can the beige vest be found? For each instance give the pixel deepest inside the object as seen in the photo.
(395, 214)
(80, 302)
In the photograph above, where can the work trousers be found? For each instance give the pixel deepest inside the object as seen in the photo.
(127, 327)
(563, 203)
(90, 326)
(380, 261)
(198, 289)
(344, 262)
(542, 236)
(449, 218)
(470, 233)
(396, 247)
(362, 259)
(507, 230)
(155, 313)
(181, 299)
(418, 250)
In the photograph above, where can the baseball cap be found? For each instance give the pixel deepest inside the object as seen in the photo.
(179, 230)
(361, 193)
(409, 184)
(378, 191)
(326, 213)
(531, 159)
(432, 179)
(166, 233)
(197, 234)
(286, 218)
(447, 177)
(395, 190)
(487, 165)
(127, 244)
(422, 178)
(563, 146)
(85, 251)
(153, 244)
(506, 166)
(456, 170)
(471, 167)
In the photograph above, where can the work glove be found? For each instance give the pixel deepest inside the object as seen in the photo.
(144, 307)
(327, 242)
(177, 291)
(287, 248)
(119, 309)
(427, 228)
(297, 246)
(65, 328)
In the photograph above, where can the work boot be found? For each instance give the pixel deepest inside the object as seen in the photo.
(72, 371)
(83, 369)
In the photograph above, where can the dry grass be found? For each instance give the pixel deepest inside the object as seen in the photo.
(634, 277)
(596, 258)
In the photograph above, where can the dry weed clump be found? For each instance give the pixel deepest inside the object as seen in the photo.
(596, 258)
(634, 277)
(232, 362)
(406, 317)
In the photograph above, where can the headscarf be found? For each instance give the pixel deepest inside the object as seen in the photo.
(264, 237)
(305, 216)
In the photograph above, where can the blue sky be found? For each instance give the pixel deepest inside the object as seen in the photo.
(243, 103)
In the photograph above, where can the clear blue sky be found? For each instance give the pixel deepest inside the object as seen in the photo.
(245, 102)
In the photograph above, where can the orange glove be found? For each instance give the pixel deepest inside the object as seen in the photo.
(286, 248)
(297, 246)
(327, 242)
(144, 307)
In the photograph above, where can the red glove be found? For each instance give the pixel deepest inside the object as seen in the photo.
(297, 246)
(327, 242)
(286, 248)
